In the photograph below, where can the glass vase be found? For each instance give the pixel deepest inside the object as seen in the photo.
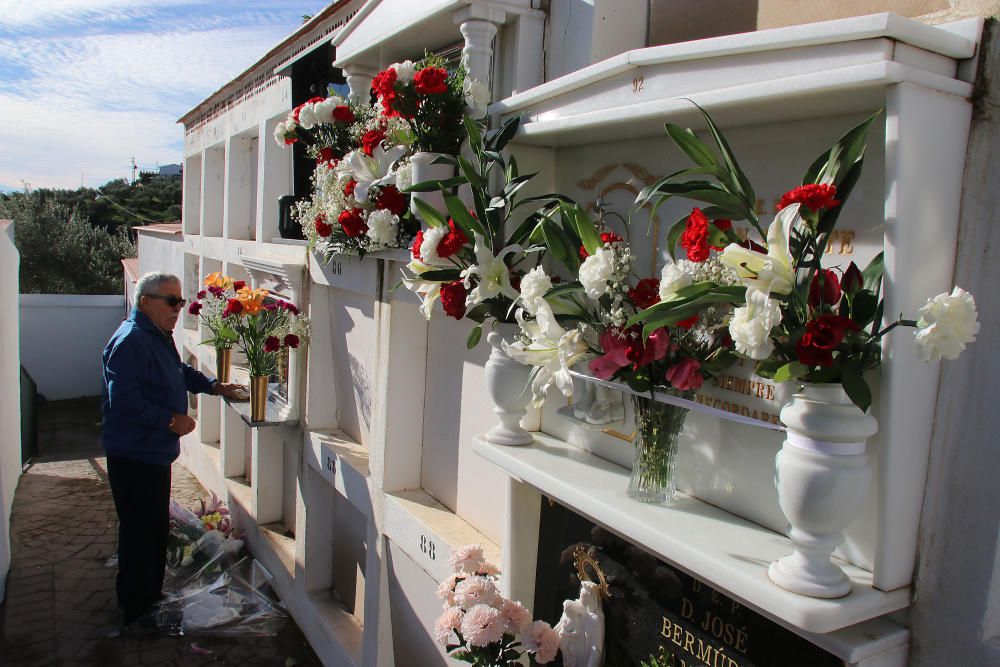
(657, 429)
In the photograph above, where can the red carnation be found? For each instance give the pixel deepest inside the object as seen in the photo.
(371, 139)
(824, 288)
(391, 199)
(821, 338)
(291, 340)
(352, 222)
(452, 242)
(202, 294)
(295, 115)
(233, 307)
(238, 285)
(415, 248)
(813, 196)
(646, 293)
(695, 237)
(431, 81)
(349, 188)
(272, 344)
(322, 228)
(216, 291)
(194, 308)
(453, 299)
(343, 114)
(384, 86)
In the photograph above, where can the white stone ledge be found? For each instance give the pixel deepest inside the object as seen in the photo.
(344, 464)
(727, 552)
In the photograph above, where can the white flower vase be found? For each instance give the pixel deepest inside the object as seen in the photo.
(823, 476)
(507, 382)
(423, 170)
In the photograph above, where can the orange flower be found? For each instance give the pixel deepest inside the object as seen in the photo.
(252, 299)
(218, 279)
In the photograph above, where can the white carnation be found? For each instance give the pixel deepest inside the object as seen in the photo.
(382, 226)
(307, 117)
(596, 271)
(323, 111)
(672, 279)
(948, 322)
(404, 71)
(534, 285)
(751, 325)
(429, 247)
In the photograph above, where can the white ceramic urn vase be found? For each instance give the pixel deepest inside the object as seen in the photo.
(507, 383)
(823, 475)
(423, 170)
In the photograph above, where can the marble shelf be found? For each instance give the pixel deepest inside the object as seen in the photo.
(274, 414)
(726, 551)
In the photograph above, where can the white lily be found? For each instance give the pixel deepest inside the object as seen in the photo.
(552, 351)
(771, 273)
(428, 291)
(369, 172)
(492, 271)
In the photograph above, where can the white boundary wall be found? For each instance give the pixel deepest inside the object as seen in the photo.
(10, 394)
(62, 337)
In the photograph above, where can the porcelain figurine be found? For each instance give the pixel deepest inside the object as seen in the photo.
(581, 629)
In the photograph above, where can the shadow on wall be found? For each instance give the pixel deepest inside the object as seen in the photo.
(672, 21)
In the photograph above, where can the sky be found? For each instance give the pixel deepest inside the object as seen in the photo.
(86, 85)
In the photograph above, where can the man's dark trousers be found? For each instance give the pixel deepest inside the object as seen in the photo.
(142, 498)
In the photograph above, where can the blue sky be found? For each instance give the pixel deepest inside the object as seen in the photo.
(85, 85)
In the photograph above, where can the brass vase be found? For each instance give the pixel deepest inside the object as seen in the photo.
(258, 398)
(222, 358)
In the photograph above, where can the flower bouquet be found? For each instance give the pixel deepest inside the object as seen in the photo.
(209, 307)
(802, 322)
(479, 625)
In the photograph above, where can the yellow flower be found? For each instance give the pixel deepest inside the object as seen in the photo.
(252, 299)
(218, 279)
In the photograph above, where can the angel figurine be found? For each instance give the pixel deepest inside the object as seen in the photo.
(581, 628)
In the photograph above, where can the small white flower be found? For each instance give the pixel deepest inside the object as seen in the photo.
(382, 226)
(672, 279)
(596, 271)
(477, 96)
(404, 70)
(948, 322)
(492, 272)
(534, 285)
(751, 325)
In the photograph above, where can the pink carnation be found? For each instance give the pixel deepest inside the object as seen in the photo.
(446, 624)
(474, 591)
(446, 591)
(515, 616)
(542, 640)
(488, 568)
(482, 625)
(467, 558)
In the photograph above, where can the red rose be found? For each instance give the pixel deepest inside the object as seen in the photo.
(272, 344)
(371, 139)
(606, 238)
(824, 288)
(821, 338)
(291, 340)
(853, 280)
(686, 375)
(238, 285)
(391, 199)
(349, 188)
(343, 114)
(453, 299)
(352, 222)
(431, 81)
(415, 248)
(194, 308)
(695, 237)
(646, 293)
(233, 307)
(452, 242)
(322, 228)
(813, 196)
(202, 294)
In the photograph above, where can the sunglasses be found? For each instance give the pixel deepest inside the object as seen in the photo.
(172, 301)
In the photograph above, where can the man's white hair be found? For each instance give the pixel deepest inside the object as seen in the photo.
(150, 283)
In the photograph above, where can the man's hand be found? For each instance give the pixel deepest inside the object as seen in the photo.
(230, 390)
(182, 424)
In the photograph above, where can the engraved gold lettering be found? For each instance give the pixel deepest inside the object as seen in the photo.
(687, 609)
(846, 242)
(718, 626)
(678, 634)
(696, 586)
(704, 652)
(688, 641)
(741, 640)
(666, 627)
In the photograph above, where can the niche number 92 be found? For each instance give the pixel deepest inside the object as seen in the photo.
(427, 547)
(637, 84)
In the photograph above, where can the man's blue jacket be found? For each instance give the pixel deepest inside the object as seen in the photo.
(145, 384)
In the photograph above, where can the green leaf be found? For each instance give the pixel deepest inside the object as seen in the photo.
(441, 275)
(547, 198)
(832, 165)
(471, 173)
(585, 229)
(732, 205)
(693, 147)
(863, 308)
(512, 169)
(515, 184)
(463, 218)
(674, 235)
(790, 371)
(828, 220)
(503, 136)
(564, 289)
(444, 158)
(856, 387)
(474, 336)
(527, 227)
(435, 186)
(559, 245)
(475, 136)
(430, 215)
(873, 273)
(732, 166)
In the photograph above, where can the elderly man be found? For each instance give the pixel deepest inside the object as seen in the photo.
(144, 414)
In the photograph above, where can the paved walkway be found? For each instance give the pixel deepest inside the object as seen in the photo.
(60, 606)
